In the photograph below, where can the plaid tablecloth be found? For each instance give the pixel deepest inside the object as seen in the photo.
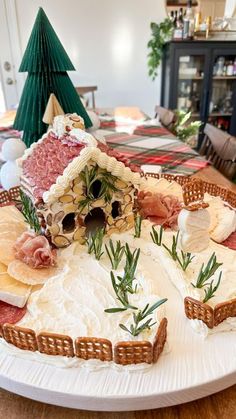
(165, 150)
(153, 145)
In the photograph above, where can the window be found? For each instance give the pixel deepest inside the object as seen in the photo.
(68, 223)
(115, 212)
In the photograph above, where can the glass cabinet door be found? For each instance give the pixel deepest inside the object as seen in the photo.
(222, 92)
(190, 83)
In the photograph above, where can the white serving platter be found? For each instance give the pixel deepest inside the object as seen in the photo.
(190, 369)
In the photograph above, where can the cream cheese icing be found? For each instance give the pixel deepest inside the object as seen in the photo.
(74, 303)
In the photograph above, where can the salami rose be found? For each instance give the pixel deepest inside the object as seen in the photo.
(35, 251)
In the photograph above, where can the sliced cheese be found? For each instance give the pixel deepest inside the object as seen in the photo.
(12, 291)
(10, 213)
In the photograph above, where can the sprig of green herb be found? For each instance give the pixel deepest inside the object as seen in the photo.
(89, 176)
(29, 212)
(95, 241)
(124, 285)
(185, 259)
(173, 250)
(157, 237)
(131, 262)
(115, 253)
(138, 226)
(137, 327)
(209, 292)
(207, 272)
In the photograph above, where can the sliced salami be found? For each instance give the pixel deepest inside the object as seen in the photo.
(11, 314)
(230, 242)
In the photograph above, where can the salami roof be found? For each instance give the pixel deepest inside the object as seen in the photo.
(48, 161)
(57, 161)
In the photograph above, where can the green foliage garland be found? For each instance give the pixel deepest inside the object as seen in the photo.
(160, 34)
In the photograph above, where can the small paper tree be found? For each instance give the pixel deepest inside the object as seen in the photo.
(47, 63)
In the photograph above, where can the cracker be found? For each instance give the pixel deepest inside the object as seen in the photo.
(24, 273)
(21, 337)
(224, 310)
(126, 353)
(93, 348)
(160, 339)
(7, 254)
(195, 309)
(55, 344)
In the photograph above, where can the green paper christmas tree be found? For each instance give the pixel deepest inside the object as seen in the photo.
(47, 63)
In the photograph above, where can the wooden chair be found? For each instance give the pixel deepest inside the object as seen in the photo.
(82, 90)
(220, 148)
(166, 116)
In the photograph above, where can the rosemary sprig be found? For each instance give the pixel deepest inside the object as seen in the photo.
(131, 265)
(29, 212)
(209, 292)
(108, 185)
(207, 272)
(173, 251)
(115, 254)
(124, 285)
(89, 176)
(185, 259)
(95, 241)
(138, 226)
(137, 327)
(121, 286)
(157, 237)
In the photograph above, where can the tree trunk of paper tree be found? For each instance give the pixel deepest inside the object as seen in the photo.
(47, 64)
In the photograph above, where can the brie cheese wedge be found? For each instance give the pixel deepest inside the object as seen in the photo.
(12, 291)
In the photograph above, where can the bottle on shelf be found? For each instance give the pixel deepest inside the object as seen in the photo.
(234, 70)
(198, 21)
(190, 17)
(220, 66)
(172, 16)
(178, 31)
(230, 69)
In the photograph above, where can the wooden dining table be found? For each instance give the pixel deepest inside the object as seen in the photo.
(220, 405)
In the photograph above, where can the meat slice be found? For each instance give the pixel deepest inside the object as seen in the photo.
(11, 314)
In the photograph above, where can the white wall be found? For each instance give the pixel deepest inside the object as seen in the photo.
(106, 41)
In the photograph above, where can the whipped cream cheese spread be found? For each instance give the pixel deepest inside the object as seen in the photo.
(182, 280)
(74, 302)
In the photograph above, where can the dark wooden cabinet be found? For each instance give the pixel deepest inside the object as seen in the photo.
(200, 76)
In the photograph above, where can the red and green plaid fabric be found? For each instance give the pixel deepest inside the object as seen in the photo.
(158, 147)
(173, 155)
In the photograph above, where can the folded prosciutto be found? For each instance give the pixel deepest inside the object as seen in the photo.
(160, 209)
(34, 250)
